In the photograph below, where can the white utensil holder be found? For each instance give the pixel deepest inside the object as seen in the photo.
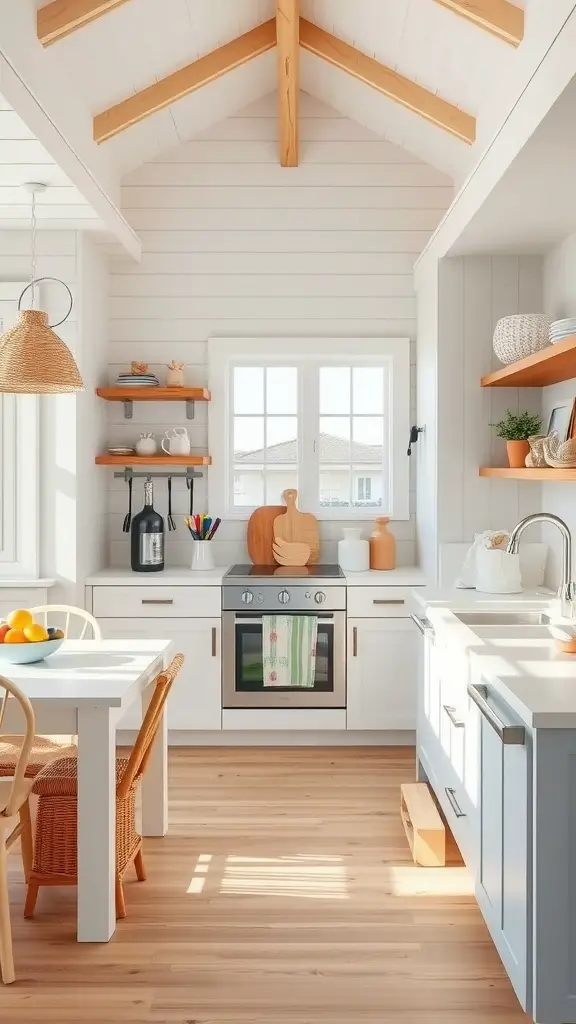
(202, 555)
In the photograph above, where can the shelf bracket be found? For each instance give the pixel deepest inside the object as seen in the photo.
(129, 408)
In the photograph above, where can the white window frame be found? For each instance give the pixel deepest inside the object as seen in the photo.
(19, 471)
(225, 353)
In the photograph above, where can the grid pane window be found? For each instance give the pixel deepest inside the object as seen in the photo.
(265, 433)
(352, 432)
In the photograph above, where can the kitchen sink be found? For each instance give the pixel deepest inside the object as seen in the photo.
(526, 618)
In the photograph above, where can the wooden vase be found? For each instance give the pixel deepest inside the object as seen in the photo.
(382, 546)
(517, 452)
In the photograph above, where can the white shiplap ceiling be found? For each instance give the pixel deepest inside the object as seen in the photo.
(144, 40)
(22, 159)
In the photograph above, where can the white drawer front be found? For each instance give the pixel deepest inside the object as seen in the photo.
(378, 602)
(157, 602)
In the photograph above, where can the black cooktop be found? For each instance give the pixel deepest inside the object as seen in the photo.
(310, 571)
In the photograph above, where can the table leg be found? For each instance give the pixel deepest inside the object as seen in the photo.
(96, 824)
(155, 781)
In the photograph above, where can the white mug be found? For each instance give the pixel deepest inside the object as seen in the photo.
(178, 441)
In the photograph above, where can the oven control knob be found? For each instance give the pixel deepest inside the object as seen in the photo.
(247, 597)
(283, 597)
(319, 597)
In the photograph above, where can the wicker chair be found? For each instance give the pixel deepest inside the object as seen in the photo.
(56, 835)
(46, 748)
(14, 824)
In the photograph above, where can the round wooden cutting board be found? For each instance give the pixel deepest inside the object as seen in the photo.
(260, 534)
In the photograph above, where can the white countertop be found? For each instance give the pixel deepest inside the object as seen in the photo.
(23, 583)
(94, 672)
(177, 577)
(410, 576)
(521, 663)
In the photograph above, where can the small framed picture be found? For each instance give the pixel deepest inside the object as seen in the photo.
(561, 419)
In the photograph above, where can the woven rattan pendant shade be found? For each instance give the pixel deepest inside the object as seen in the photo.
(34, 360)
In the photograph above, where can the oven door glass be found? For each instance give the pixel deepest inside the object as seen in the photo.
(248, 659)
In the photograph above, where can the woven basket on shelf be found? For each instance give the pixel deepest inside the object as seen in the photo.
(518, 336)
(34, 360)
(559, 455)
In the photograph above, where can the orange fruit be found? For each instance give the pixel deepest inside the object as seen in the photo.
(15, 636)
(20, 618)
(3, 630)
(35, 633)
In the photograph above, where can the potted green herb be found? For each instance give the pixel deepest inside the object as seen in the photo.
(515, 429)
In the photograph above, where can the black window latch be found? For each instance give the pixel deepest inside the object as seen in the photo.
(414, 432)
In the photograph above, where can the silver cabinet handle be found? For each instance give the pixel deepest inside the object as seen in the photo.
(388, 600)
(157, 600)
(451, 712)
(354, 641)
(214, 641)
(451, 794)
(424, 626)
(512, 735)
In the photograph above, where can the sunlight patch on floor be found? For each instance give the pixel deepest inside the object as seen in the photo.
(410, 880)
(300, 876)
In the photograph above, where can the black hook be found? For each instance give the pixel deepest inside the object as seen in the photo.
(414, 433)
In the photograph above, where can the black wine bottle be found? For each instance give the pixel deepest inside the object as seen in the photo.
(147, 536)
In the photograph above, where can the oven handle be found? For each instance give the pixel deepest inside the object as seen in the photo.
(248, 620)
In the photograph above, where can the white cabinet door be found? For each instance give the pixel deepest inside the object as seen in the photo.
(195, 701)
(382, 673)
(503, 841)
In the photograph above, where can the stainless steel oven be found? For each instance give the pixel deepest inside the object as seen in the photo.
(245, 604)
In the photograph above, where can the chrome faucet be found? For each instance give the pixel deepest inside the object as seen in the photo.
(567, 589)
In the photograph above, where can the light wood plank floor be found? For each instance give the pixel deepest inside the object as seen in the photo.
(284, 894)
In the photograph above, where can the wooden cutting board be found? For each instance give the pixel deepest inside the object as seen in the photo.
(260, 534)
(297, 527)
(291, 554)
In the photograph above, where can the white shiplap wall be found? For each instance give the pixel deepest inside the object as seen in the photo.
(464, 297)
(236, 245)
(559, 302)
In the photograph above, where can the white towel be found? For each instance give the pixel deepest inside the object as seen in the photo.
(289, 650)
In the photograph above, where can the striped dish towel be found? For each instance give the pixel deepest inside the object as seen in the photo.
(289, 649)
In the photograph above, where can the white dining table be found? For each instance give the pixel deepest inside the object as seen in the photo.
(84, 689)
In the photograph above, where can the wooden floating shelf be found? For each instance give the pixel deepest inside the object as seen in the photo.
(154, 394)
(550, 365)
(153, 460)
(543, 473)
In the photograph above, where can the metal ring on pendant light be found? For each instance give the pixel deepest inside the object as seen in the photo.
(58, 281)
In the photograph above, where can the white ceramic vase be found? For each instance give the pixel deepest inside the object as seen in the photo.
(202, 555)
(353, 552)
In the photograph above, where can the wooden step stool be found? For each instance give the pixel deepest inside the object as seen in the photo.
(423, 825)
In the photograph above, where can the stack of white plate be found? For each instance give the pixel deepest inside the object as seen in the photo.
(562, 329)
(137, 380)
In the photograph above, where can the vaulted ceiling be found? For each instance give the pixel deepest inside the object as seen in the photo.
(421, 73)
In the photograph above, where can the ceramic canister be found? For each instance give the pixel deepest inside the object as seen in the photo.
(353, 552)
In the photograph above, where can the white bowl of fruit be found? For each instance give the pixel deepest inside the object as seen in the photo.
(23, 641)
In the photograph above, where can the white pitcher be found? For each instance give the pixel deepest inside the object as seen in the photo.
(177, 440)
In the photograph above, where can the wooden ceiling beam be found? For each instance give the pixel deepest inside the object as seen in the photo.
(61, 17)
(499, 17)
(180, 83)
(387, 81)
(288, 42)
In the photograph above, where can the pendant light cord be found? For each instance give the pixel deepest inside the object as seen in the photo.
(33, 222)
